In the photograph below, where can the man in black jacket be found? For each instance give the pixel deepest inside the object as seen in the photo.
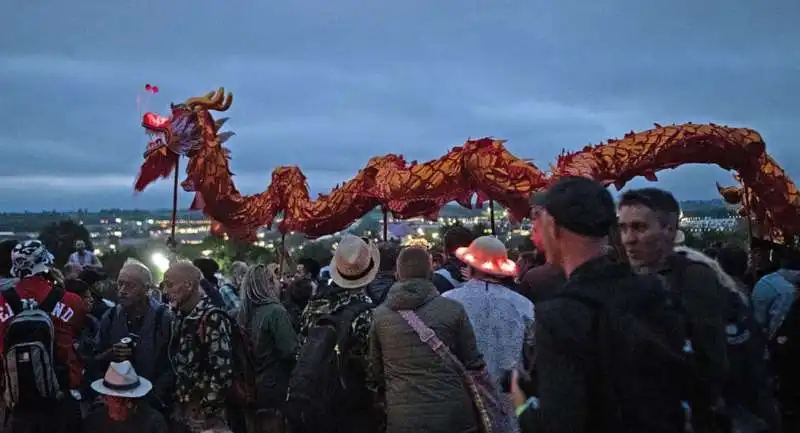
(589, 378)
(648, 222)
(138, 330)
(378, 289)
(449, 275)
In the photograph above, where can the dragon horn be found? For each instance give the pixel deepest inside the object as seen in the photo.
(224, 136)
(221, 121)
(214, 100)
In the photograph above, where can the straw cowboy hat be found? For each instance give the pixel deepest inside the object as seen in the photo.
(488, 255)
(355, 263)
(121, 380)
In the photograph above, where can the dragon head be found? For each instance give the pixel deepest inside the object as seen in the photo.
(189, 125)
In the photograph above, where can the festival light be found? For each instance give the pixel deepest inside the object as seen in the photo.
(160, 261)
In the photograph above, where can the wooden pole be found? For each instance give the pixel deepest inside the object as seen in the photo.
(281, 252)
(172, 242)
(491, 217)
(745, 202)
(385, 224)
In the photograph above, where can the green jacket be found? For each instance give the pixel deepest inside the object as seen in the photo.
(274, 347)
(422, 393)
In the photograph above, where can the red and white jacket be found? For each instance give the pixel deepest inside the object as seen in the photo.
(69, 315)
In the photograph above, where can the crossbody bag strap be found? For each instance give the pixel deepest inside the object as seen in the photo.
(52, 299)
(13, 300)
(429, 337)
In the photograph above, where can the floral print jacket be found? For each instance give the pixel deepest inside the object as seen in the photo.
(201, 353)
(333, 301)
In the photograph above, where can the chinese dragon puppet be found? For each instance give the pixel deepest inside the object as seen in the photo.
(483, 167)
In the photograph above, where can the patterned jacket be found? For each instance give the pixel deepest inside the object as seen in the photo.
(201, 358)
(503, 321)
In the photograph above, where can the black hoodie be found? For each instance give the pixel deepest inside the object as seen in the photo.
(451, 267)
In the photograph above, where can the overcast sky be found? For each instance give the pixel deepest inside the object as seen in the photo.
(326, 84)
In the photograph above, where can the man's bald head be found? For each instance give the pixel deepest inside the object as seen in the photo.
(414, 262)
(184, 271)
(182, 284)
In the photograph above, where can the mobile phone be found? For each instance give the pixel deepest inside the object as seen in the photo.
(505, 380)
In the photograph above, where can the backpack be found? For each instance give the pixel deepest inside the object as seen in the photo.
(243, 390)
(30, 371)
(322, 379)
(749, 384)
(639, 370)
(785, 353)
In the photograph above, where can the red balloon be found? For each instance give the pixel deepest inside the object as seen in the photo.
(154, 89)
(147, 87)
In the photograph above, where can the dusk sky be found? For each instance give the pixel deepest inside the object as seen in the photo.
(327, 84)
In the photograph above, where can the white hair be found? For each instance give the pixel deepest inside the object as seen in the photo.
(140, 269)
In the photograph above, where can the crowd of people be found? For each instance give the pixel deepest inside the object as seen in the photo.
(609, 326)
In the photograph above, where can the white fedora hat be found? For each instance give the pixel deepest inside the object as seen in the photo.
(121, 380)
(355, 263)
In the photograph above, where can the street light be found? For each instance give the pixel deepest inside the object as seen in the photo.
(160, 261)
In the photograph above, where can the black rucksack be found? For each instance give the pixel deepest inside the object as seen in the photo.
(749, 385)
(639, 369)
(323, 384)
(30, 371)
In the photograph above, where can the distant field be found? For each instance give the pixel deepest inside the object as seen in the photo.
(33, 221)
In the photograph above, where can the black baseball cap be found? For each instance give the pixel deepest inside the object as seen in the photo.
(581, 205)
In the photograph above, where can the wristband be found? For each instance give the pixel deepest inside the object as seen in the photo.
(530, 402)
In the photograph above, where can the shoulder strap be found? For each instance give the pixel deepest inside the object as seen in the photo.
(52, 298)
(346, 316)
(429, 337)
(202, 325)
(13, 300)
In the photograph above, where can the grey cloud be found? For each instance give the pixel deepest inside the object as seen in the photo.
(327, 85)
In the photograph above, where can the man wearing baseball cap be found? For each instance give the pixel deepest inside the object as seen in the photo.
(540, 283)
(594, 369)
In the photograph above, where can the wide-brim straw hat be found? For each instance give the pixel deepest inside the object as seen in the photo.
(121, 380)
(355, 263)
(488, 255)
